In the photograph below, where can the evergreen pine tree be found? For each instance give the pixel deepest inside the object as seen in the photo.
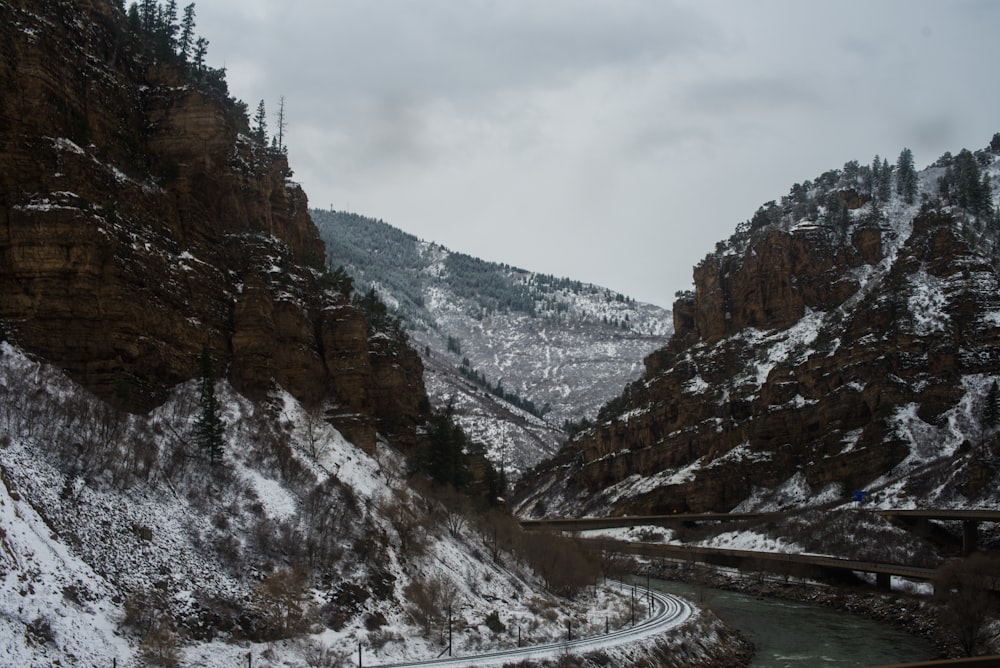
(945, 184)
(186, 41)
(200, 50)
(260, 123)
(991, 412)
(441, 456)
(134, 21)
(852, 171)
(885, 181)
(208, 427)
(985, 201)
(147, 12)
(169, 23)
(873, 176)
(876, 216)
(966, 188)
(906, 176)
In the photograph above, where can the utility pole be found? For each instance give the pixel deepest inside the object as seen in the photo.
(359, 654)
(449, 629)
(633, 605)
(649, 595)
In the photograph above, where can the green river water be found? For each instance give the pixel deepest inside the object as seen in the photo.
(799, 635)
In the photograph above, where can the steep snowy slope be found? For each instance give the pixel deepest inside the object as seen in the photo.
(119, 542)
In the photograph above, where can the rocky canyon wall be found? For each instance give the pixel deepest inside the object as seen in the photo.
(141, 223)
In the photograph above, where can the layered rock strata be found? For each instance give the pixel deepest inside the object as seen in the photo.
(791, 362)
(140, 224)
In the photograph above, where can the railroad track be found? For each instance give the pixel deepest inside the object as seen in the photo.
(668, 612)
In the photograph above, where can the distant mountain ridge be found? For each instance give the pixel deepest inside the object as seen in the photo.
(561, 345)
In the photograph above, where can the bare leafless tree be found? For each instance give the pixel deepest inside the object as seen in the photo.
(408, 520)
(455, 508)
(500, 532)
(312, 426)
(430, 601)
(283, 600)
(966, 590)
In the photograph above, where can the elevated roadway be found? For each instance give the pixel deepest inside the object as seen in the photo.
(970, 662)
(798, 564)
(588, 523)
(970, 519)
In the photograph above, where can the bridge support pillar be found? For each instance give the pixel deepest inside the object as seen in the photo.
(970, 536)
(883, 581)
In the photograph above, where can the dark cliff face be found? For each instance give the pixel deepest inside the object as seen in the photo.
(140, 224)
(806, 362)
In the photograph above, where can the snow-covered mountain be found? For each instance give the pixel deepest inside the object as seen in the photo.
(517, 354)
(843, 339)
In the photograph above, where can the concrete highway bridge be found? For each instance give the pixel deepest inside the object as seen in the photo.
(971, 662)
(799, 564)
(970, 519)
(677, 519)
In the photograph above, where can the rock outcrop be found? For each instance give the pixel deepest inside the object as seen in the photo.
(802, 367)
(141, 223)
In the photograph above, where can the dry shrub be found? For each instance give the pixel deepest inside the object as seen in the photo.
(429, 601)
(145, 608)
(500, 532)
(561, 563)
(964, 589)
(317, 656)
(409, 521)
(160, 646)
(39, 631)
(284, 603)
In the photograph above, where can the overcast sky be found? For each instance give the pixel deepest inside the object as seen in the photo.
(611, 141)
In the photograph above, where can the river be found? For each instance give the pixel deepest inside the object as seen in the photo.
(799, 635)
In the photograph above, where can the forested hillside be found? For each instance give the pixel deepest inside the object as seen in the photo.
(520, 357)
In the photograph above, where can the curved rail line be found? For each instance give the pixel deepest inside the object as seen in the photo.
(668, 612)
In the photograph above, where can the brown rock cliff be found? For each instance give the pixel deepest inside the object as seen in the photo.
(782, 369)
(140, 224)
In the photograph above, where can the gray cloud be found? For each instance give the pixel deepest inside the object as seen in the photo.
(614, 141)
(758, 94)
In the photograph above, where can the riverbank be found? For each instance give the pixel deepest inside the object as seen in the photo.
(704, 642)
(915, 614)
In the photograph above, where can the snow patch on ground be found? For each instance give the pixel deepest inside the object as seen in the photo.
(927, 301)
(63, 597)
(54, 609)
